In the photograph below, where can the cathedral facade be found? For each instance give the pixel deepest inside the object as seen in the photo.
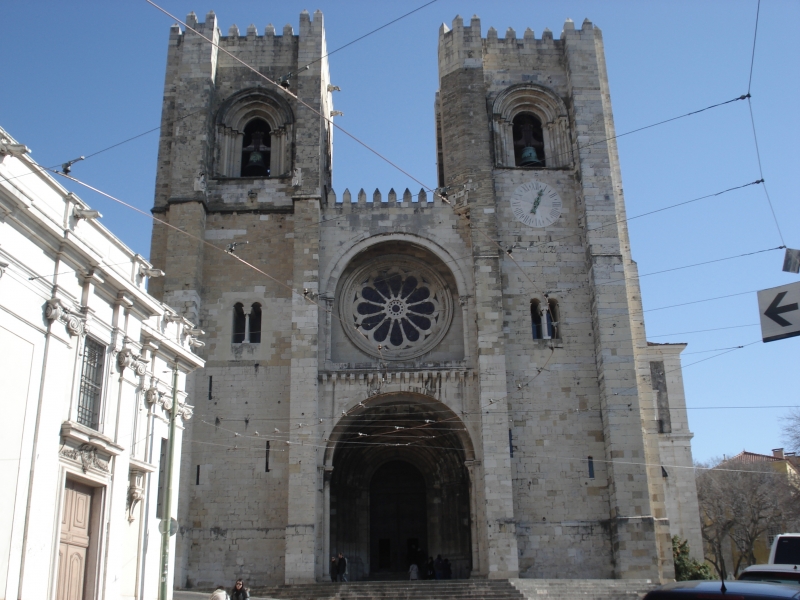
(461, 371)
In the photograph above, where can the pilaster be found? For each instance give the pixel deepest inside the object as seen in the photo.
(633, 523)
(467, 156)
(305, 489)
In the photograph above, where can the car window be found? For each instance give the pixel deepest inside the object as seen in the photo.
(787, 551)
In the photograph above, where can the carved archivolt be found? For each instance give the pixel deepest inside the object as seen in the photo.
(234, 116)
(396, 309)
(547, 107)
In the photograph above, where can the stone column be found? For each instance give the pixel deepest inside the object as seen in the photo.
(303, 501)
(326, 520)
(473, 516)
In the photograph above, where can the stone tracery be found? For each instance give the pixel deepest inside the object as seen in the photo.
(399, 308)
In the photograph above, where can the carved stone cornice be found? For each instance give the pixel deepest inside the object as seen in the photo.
(76, 435)
(87, 456)
(127, 359)
(55, 311)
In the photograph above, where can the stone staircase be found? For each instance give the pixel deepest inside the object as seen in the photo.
(466, 589)
(584, 589)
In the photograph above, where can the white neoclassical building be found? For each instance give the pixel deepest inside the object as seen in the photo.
(88, 361)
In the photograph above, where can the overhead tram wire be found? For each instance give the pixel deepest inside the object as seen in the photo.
(358, 39)
(526, 383)
(359, 141)
(689, 114)
(753, 124)
(364, 144)
(302, 294)
(558, 457)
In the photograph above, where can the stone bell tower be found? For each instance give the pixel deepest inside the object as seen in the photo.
(242, 165)
(524, 127)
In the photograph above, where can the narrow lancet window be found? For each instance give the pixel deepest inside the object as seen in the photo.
(255, 324)
(552, 319)
(536, 319)
(239, 325)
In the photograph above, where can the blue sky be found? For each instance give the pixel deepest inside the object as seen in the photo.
(78, 78)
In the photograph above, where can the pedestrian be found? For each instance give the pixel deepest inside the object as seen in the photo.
(342, 568)
(219, 593)
(240, 592)
(413, 572)
(430, 572)
(448, 569)
(334, 569)
(438, 567)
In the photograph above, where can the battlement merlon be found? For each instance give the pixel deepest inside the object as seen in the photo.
(462, 47)
(210, 29)
(423, 199)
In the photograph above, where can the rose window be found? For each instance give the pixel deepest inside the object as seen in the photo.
(397, 311)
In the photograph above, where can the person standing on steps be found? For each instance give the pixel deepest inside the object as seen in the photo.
(342, 568)
(438, 567)
(430, 572)
(413, 572)
(334, 569)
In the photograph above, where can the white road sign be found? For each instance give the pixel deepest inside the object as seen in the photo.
(779, 309)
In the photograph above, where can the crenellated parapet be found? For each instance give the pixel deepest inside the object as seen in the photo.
(462, 46)
(235, 37)
(376, 200)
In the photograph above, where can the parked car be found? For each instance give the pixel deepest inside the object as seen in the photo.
(788, 574)
(785, 549)
(732, 590)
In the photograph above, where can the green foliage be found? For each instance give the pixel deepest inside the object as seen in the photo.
(687, 568)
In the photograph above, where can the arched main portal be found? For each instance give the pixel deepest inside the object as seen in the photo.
(399, 489)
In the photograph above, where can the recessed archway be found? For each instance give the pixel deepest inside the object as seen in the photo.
(399, 488)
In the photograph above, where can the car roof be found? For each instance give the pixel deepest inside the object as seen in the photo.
(770, 567)
(711, 589)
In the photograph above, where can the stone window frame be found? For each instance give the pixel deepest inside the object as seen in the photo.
(551, 112)
(548, 326)
(232, 118)
(91, 385)
(246, 323)
(349, 298)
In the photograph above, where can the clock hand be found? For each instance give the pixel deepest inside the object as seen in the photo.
(537, 201)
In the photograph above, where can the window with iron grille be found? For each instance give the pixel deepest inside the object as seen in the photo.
(91, 383)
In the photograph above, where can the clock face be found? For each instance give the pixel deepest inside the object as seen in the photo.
(536, 204)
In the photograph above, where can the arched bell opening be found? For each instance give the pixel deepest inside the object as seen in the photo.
(528, 140)
(256, 148)
(399, 488)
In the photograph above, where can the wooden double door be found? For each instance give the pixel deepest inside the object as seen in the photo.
(74, 542)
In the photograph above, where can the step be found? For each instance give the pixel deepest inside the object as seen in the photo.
(462, 589)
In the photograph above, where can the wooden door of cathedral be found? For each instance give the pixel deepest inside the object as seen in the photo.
(398, 518)
(75, 539)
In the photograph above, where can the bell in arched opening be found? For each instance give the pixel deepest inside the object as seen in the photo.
(529, 157)
(256, 149)
(528, 141)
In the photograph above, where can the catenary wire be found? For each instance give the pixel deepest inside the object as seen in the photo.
(753, 124)
(358, 39)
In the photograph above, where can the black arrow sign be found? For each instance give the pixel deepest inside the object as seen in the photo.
(774, 311)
